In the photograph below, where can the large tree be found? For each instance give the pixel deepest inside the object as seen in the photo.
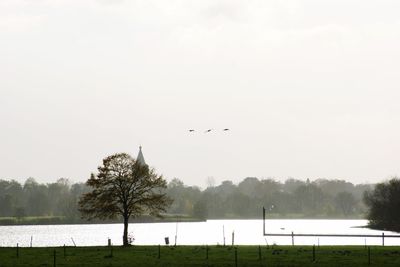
(384, 205)
(124, 187)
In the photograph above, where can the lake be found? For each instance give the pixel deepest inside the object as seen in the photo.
(247, 232)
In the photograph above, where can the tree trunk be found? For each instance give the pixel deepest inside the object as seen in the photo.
(125, 237)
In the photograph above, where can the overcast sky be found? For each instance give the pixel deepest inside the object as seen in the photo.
(309, 89)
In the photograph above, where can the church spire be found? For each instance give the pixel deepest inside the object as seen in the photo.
(140, 157)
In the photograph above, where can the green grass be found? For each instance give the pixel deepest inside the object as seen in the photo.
(196, 256)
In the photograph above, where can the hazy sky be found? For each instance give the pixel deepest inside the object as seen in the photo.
(309, 89)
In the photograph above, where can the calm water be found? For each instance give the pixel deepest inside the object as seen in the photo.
(247, 232)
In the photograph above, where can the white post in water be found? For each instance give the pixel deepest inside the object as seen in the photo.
(223, 233)
(292, 239)
(176, 232)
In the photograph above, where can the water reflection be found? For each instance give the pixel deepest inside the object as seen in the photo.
(247, 232)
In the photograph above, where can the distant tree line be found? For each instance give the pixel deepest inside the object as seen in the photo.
(34, 199)
(292, 198)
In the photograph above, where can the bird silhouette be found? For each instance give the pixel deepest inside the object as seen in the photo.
(209, 130)
(226, 129)
(191, 130)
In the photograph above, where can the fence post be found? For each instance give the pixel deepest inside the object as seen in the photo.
(383, 239)
(233, 238)
(64, 251)
(263, 220)
(313, 253)
(292, 239)
(236, 260)
(369, 256)
(54, 258)
(206, 252)
(17, 250)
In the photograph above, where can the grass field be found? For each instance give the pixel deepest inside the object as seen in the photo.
(201, 256)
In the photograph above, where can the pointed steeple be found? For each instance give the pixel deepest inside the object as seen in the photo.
(140, 157)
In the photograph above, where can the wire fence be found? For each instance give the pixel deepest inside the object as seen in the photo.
(266, 255)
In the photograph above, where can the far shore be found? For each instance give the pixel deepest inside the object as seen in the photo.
(59, 220)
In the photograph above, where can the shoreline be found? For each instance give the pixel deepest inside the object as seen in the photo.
(28, 221)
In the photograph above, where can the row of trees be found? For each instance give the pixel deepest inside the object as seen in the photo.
(334, 198)
(320, 198)
(35, 199)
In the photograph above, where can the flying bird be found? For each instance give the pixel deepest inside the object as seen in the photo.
(226, 129)
(191, 130)
(209, 130)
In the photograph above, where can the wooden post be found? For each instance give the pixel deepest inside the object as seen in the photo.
(383, 239)
(31, 240)
(265, 259)
(263, 220)
(292, 239)
(236, 260)
(159, 251)
(17, 250)
(259, 253)
(54, 258)
(369, 256)
(233, 238)
(313, 253)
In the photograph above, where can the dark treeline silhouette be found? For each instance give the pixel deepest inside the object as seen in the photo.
(384, 205)
(292, 198)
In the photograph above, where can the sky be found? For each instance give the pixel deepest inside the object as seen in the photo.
(308, 88)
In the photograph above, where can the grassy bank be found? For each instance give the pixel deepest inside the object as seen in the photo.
(197, 256)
